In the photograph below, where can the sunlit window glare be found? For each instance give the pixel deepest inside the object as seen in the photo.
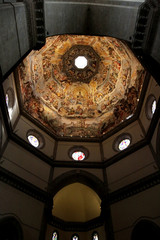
(54, 236)
(75, 238)
(95, 236)
(10, 109)
(33, 140)
(7, 99)
(81, 62)
(124, 144)
(153, 106)
(129, 116)
(78, 156)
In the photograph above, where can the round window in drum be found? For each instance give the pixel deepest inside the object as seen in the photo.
(78, 156)
(35, 138)
(78, 153)
(122, 142)
(150, 106)
(10, 100)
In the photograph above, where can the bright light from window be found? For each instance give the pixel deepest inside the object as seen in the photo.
(33, 140)
(95, 236)
(75, 238)
(10, 109)
(54, 236)
(129, 116)
(153, 106)
(124, 144)
(7, 99)
(78, 156)
(81, 62)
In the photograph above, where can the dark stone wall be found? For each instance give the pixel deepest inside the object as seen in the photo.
(110, 18)
(14, 39)
(155, 50)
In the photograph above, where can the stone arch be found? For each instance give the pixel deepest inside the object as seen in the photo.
(10, 229)
(80, 176)
(145, 229)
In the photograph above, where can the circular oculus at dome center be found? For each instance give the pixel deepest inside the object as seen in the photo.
(80, 63)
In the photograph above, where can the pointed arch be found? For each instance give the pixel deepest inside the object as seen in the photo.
(80, 176)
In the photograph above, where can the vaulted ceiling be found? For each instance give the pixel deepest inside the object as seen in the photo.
(76, 203)
(88, 102)
(90, 108)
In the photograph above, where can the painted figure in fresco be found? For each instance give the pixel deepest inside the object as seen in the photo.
(79, 110)
(107, 99)
(80, 98)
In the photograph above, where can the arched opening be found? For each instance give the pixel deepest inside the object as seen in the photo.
(147, 230)
(76, 202)
(79, 176)
(10, 229)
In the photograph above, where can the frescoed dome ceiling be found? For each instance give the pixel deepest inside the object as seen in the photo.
(81, 102)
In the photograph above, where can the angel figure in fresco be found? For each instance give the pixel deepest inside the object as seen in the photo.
(80, 99)
(79, 110)
(71, 111)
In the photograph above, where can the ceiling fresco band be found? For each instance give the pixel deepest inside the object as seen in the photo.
(74, 106)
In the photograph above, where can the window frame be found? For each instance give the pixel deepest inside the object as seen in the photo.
(119, 139)
(39, 137)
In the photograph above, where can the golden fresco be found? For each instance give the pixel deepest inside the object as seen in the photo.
(85, 102)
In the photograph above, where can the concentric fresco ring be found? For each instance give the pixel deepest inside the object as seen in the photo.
(86, 102)
(82, 75)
